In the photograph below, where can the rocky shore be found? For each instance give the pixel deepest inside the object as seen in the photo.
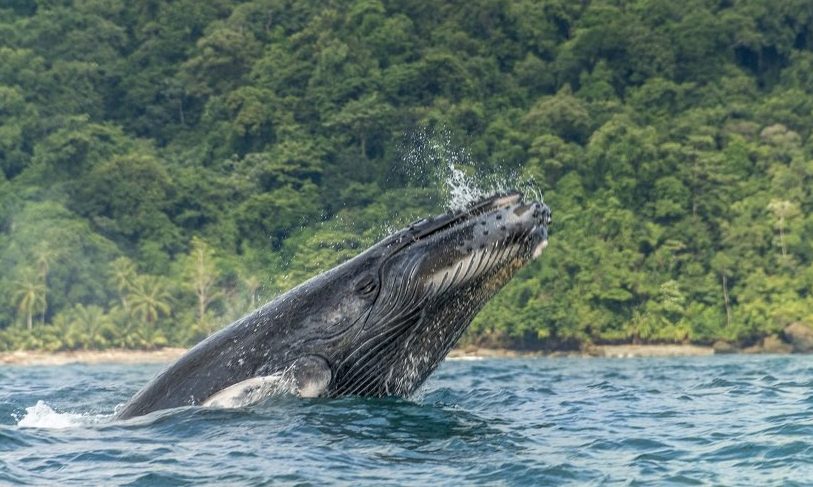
(794, 338)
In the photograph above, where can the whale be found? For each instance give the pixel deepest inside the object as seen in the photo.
(376, 325)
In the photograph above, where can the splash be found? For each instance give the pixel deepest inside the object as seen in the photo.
(42, 415)
(433, 158)
(465, 358)
(461, 189)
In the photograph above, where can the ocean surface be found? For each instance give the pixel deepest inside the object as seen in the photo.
(722, 420)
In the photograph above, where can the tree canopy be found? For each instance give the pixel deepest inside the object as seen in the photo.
(165, 165)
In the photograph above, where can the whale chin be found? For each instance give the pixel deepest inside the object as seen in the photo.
(539, 248)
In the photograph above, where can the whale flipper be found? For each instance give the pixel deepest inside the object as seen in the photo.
(307, 377)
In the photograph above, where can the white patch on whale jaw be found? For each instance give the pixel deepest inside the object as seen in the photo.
(252, 391)
(296, 379)
(539, 248)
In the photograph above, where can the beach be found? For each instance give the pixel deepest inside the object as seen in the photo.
(166, 355)
(113, 356)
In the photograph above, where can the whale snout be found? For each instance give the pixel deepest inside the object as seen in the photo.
(508, 221)
(543, 217)
(538, 212)
(534, 214)
(537, 217)
(542, 213)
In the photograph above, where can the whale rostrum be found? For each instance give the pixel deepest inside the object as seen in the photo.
(376, 325)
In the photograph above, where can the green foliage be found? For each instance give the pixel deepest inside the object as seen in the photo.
(167, 165)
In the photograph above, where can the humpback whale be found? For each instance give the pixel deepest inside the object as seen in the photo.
(376, 325)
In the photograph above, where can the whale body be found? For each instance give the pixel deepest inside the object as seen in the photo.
(376, 325)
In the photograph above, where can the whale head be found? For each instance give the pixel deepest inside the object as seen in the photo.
(426, 283)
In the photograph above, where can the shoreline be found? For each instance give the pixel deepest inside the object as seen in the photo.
(595, 351)
(166, 355)
(110, 356)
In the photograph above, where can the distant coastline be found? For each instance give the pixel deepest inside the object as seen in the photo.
(166, 355)
(113, 356)
(613, 351)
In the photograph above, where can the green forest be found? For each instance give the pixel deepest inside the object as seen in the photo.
(168, 165)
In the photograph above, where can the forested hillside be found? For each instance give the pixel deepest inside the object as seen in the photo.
(167, 165)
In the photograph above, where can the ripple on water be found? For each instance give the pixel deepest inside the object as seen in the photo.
(683, 421)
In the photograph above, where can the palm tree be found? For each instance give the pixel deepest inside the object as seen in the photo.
(150, 337)
(30, 296)
(44, 255)
(150, 298)
(202, 275)
(125, 327)
(63, 332)
(92, 321)
(123, 276)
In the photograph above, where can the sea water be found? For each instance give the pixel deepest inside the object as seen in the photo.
(722, 420)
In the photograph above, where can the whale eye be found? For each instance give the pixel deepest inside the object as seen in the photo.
(366, 285)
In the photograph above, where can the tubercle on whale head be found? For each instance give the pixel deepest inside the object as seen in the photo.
(504, 219)
(539, 217)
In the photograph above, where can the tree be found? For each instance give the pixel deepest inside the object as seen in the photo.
(44, 256)
(150, 299)
(222, 57)
(18, 124)
(92, 324)
(783, 210)
(65, 334)
(126, 196)
(123, 276)
(562, 114)
(30, 297)
(363, 119)
(45, 227)
(271, 216)
(673, 139)
(202, 276)
(724, 266)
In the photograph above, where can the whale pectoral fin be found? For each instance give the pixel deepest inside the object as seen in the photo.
(307, 376)
(248, 392)
(311, 375)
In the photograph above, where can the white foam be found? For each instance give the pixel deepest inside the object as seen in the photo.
(462, 190)
(433, 154)
(42, 415)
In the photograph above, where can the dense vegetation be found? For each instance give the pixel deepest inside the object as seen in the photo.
(166, 164)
